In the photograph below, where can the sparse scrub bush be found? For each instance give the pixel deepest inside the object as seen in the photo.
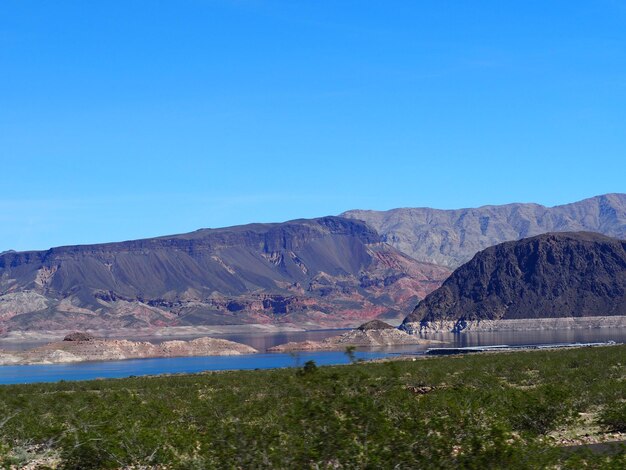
(541, 410)
(309, 368)
(479, 411)
(613, 416)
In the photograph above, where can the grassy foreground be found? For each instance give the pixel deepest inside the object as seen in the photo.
(478, 411)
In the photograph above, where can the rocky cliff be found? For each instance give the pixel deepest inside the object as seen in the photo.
(330, 271)
(569, 276)
(451, 237)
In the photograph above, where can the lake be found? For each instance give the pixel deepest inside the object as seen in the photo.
(118, 369)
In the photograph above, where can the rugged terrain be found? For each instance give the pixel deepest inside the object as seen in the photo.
(81, 347)
(551, 280)
(330, 271)
(326, 272)
(451, 237)
(374, 333)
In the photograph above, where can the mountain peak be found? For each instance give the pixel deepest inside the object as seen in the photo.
(451, 237)
(553, 275)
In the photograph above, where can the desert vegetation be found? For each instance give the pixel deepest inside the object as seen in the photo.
(494, 410)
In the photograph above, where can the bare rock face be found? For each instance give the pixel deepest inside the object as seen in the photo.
(79, 336)
(325, 272)
(452, 237)
(374, 333)
(78, 350)
(18, 303)
(566, 276)
(299, 346)
(375, 325)
(203, 347)
(322, 272)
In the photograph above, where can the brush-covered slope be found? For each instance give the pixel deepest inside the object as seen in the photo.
(556, 275)
(452, 237)
(327, 271)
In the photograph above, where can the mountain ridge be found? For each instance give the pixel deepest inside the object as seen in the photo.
(450, 237)
(329, 271)
(324, 272)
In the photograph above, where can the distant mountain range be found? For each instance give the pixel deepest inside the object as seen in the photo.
(572, 277)
(451, 237)
(326, 272)
(330, 271)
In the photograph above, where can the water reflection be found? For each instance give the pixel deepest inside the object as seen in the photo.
(262, 342)
(517, 338)
(179, 365)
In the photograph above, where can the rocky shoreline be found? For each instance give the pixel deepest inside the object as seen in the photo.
(535, 324)
(80, 347)
(374, 333)
(140, 334)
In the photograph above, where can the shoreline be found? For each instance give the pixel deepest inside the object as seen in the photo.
(524, 324)
(428, 353)
(254, 401)
(443, 326)
(155, 333)
(110, 348)
(107, 350)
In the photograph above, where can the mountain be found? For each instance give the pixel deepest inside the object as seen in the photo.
(326, 272)
(330, 271)
(530, 283)
(451, 237)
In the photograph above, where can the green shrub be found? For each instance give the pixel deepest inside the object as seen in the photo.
(479, 411)
(613, 416)
(309, 367)
(541, 410)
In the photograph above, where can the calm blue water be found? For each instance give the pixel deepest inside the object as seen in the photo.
(117, 369)
(188, 365)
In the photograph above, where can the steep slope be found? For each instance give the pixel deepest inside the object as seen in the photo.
(323, 272)
(557, 275)
(452, 237)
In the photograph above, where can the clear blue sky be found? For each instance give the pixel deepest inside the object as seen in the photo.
(128, 119)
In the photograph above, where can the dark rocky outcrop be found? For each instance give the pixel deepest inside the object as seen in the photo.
(330, 271)
(374, 325)
(451, 237)
(79, 336)
(550, 276)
